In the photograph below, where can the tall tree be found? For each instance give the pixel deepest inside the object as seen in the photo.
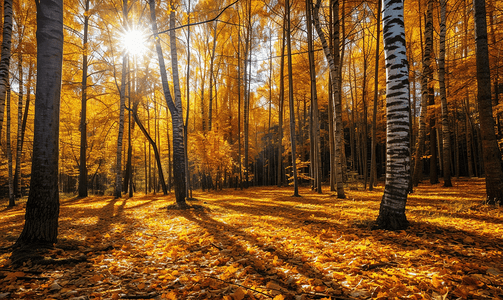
(490, 151)
(83, 111)
(42, 209)
(373, 160)
(392, 209)
(425, 83)
(5, 57)
(333, 62)
(17, 173)
(281, 109)
(315, 130)
(290, 98)
(122, 105)
(446, 134)
(175, 107)
(9, 152)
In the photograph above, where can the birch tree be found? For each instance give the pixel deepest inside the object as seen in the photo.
(122, 105)
(175, 107)
(333, 63)
(392, 209)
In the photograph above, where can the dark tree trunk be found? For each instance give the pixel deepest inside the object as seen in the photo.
(83, 112)
(5, 57)
(42, 208)
(491, 153)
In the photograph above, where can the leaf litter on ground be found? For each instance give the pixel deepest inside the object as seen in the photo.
(262, 243)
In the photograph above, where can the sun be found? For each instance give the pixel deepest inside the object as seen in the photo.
(134, 41)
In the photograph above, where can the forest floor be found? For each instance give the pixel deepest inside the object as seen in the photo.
(262, 243)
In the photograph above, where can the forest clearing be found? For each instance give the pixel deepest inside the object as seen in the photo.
(262, 243)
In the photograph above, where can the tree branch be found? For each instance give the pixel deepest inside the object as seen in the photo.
(199, 23)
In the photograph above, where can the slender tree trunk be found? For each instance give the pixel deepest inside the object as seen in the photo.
(246, 109)
(331, 136)
(12, 201)
(239, 106)
(315, 128)
(373, 160)
(212, 76)
(491, 153)
(392, 209)
(17, 174)
(118, 163)
(42, 209)
(334, 70)
(446, 134)
(365, 118)
(175, 107)
(19, 145)
(290, 100)
(281, 106)
(421, 139)
(154, 146)
(5, 57)
(83, 111)
(188, 189)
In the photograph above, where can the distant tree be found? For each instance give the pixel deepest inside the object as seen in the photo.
(392, 210)
(490, 151)
(290, 99)
(122, 105)
(446, 134)
(425, 82)
(5, 57)
(83, 112)
(42, 209)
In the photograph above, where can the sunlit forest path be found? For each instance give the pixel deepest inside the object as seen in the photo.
(261, 243)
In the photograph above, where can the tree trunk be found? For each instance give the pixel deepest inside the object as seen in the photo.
(373, 160)
(154, 146)
(83, 112)
(188, 189)
(12, 201)
(290, 100)
(42, 208)
(212, 76)
(392, 209)
(446, 134)
(425, 76)
(315, 128)
(19, 145)
(118, 162)
(246, 108)
(5, 57)
(17, 174)
(334, 70)
(281, 105)
(490, 151)
(175, 108)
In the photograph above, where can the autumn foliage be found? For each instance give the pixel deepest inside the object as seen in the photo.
(265, 244)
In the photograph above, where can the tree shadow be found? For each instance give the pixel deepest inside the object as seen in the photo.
(228, 237)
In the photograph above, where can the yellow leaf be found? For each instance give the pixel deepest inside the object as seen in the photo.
(141, 286)
(279, 297)
(169, 296)
(239, 294)
(436, 282)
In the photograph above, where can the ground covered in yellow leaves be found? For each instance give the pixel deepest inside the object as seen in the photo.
(262, 243)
